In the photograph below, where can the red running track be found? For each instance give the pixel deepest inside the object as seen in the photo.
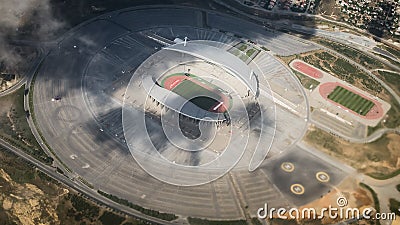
(173, 81)
(307, 69)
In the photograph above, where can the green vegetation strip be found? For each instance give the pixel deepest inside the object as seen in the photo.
(375, 198)
(393, 115)
(356, 55)
(393, 51)
(111, 218)
(21, 136)
(351, 100)
(197, 221)
(392, 79)
(394, 206)
(83, 206)
(149, 212)
(380, 176)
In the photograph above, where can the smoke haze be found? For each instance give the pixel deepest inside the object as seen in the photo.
(24, 19)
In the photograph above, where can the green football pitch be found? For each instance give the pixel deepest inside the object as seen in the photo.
(198, 95)
(351, 100)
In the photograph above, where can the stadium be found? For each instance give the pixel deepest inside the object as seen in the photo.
(200, 81)
(204, 90)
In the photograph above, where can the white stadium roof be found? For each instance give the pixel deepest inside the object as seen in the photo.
(204, 50)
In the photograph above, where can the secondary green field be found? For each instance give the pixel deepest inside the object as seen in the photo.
(351, 100)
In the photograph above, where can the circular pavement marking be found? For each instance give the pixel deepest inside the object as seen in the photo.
(322, 177)
(297, 189)
(287, 166)
(68, 113)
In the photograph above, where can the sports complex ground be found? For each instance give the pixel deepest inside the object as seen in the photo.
(351, 100)
(348, 100)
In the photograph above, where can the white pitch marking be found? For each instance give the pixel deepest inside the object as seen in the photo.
(216, 107)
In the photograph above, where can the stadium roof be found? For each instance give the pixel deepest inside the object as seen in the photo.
(204, 50)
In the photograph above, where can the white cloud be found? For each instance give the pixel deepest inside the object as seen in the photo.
(17, 13)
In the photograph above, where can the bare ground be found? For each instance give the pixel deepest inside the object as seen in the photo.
(378, 158)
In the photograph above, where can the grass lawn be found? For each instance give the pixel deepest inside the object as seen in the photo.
(243, 51)
(197, 94)
(205, 98)
(343, 70)
(242, 47)
(250, 52)
(351, 100)
(307, 82)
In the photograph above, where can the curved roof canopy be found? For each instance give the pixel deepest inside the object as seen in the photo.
(210, 52)
(220, 57)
